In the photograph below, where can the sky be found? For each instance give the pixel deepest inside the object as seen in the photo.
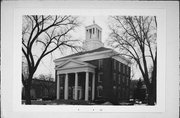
(47, 65)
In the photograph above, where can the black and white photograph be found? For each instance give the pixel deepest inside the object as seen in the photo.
(89, 60)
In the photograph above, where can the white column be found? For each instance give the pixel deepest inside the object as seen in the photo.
(57, 94)
(76, 85)
(93, 85)
(87, 86)
(66, 87)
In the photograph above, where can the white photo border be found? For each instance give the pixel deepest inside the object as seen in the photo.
(161, 60)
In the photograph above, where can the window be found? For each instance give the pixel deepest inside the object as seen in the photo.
(99, 91)
(100, 77)
(114, 77)
(127, 81)
(119, 67)
(100, 64)
(114, 89)
(119, 79)
(114, 65)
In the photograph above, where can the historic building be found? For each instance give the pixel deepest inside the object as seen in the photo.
(98, 73)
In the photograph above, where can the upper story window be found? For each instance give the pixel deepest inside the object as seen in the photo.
(119, 67)
(119, 79)
(100, 77)
(114, 77)
(114, 64)
(127, 81)
(124, 68)
(100, 64)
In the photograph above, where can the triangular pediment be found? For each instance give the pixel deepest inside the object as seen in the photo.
(72, 63)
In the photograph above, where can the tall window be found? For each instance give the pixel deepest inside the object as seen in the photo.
(124, 68)
(100, 64)
(100, 77)
(114, 89)
(114, 77)
(127, 81)
(119, 79)
(119, 67)
(114, 64)
(99, 91)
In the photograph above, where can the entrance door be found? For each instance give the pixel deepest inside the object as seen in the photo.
(79, 93)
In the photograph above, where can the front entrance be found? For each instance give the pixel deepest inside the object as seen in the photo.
(79, 93)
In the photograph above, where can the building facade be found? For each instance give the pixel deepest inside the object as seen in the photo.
(98, 73)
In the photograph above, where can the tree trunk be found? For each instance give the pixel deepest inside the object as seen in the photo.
(153, 87)
(151, 100)
(27, 94)
(28, 89)
(150, 91)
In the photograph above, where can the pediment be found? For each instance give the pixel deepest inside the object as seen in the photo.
(73, 63)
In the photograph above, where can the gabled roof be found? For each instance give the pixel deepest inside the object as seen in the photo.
(98, 51)
(86, 52)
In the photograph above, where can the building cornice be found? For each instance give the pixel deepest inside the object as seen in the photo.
(97, 55)
(79, 56)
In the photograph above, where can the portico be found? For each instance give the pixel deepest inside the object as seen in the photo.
(75, 68)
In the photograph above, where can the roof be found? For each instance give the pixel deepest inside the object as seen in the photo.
(87, 52)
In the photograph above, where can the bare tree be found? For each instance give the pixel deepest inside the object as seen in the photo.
(44, 34)
(135, 37)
